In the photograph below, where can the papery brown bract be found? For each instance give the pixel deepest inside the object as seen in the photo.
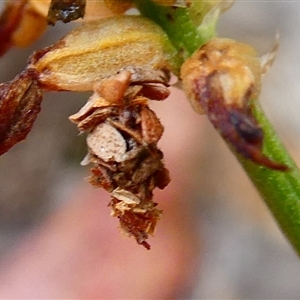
(122, 140)
(125, 61)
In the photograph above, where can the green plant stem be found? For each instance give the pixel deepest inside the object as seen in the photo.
(178, 24)
(280, 190)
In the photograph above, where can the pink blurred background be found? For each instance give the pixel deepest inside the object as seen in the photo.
(216, 238)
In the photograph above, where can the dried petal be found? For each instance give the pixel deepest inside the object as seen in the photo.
(125, 196)
(94, 102)
(107, 143)
(97, 117)
(113, 89)
(155, 92)
(152, 129)
(147, 167)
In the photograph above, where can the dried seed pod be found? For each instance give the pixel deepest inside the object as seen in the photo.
(98, 50)
(221, 79)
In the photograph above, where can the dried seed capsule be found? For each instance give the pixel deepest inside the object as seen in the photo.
(98, 50)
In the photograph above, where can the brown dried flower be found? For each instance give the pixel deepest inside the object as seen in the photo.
(122, 144)
(20, 102)
(125, 61)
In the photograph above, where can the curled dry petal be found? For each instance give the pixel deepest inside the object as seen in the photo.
(151, 127)
(113, 89)
(155, 92)
(20, 102)
(221, 79)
